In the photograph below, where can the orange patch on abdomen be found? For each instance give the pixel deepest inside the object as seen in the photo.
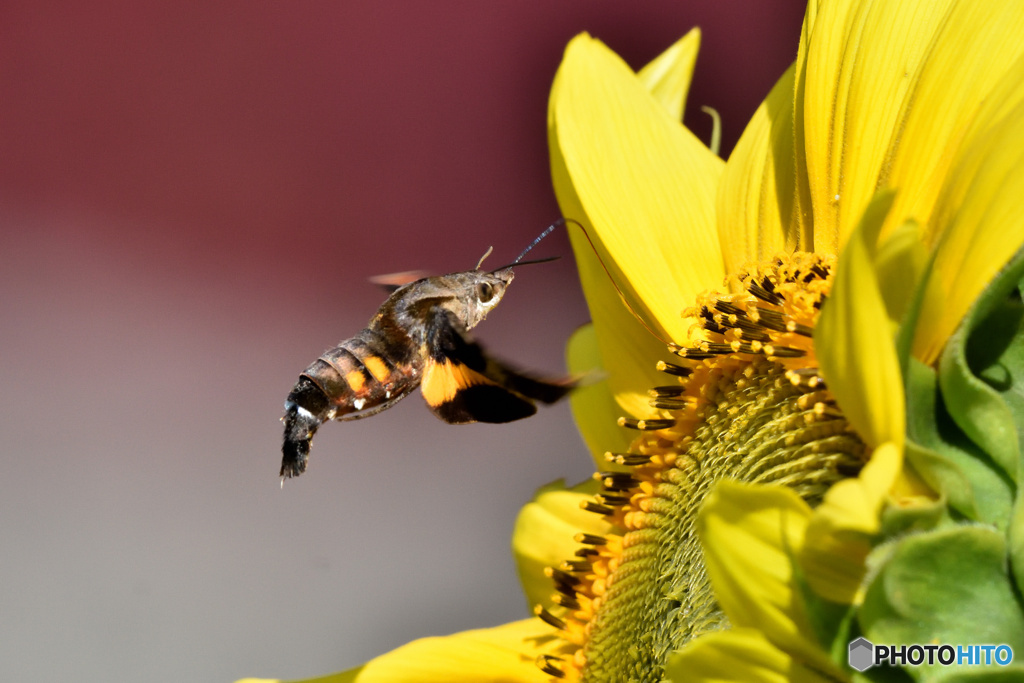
(356, 380)
(377, 368)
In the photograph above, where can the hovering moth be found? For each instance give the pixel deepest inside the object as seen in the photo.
(418, 337)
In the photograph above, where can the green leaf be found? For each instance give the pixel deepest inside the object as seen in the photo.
(947, 586)
(1015, 537)
(981, 372)
(946, 459)
(899, 520)
(831, 623)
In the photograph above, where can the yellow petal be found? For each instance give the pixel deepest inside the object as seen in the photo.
(970, 55)
(632, 352)
(900, 263)
(838, 537)
(504, 654)
(750, 535)
(626, 108)
(855, 504)
(739, 655)
(834, 561)
(877, 106)
(802, 205)
(668, 76)
(854, 339)
(544, 531)
(593, 406)
(641, 182)
(860, 62)
(979, 218)
(757, 209)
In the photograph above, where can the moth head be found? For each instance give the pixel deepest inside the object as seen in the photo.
(486, 288)
(469, 295)
(481, 292)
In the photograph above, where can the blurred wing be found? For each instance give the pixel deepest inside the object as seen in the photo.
(461, 384)
(392, 281)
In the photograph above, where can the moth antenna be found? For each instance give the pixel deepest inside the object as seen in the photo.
(618, 291)
(547, 231)
(486, 254)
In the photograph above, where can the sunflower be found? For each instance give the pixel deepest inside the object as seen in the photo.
(810, 429)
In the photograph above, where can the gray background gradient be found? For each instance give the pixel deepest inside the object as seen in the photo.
(192, 197)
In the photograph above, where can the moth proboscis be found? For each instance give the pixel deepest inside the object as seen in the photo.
(418, 337)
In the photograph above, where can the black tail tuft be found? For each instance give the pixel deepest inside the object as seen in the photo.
(295, 456)
(299, 427)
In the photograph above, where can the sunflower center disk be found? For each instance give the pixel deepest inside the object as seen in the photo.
(746, 403)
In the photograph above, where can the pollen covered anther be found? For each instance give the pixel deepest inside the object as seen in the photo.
(631, 459)
(749, 405)
(805, 377)
(672, 369)
(548, 618)
(565, 601)
(590, 539)
(783, 351)
(616, 481)
(550, 665)
(611, 498)
(575, 566)
(667, 404)
(626, 459)
(645, 425)
(559, 576)
(595, 507)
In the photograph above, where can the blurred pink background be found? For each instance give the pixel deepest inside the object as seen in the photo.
(192, 197)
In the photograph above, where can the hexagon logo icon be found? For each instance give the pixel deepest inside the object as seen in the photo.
(862, 654)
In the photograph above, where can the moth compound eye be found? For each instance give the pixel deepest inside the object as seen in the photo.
(484, 292)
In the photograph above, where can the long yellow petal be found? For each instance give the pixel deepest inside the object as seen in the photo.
(572, 131)
(861, 62)
(750, 535)
(629, 352)
(544, 532)
(970, 58)
(802, 205)
(645, 184)
(979, 218)
(668, 76)
(854, 340)
(739, 655)
(757, 209)
(504, 654)
(593, 407)
(855, 504)
(901, 263)
(838, 537)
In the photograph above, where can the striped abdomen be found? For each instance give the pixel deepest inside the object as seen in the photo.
(357, 375)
